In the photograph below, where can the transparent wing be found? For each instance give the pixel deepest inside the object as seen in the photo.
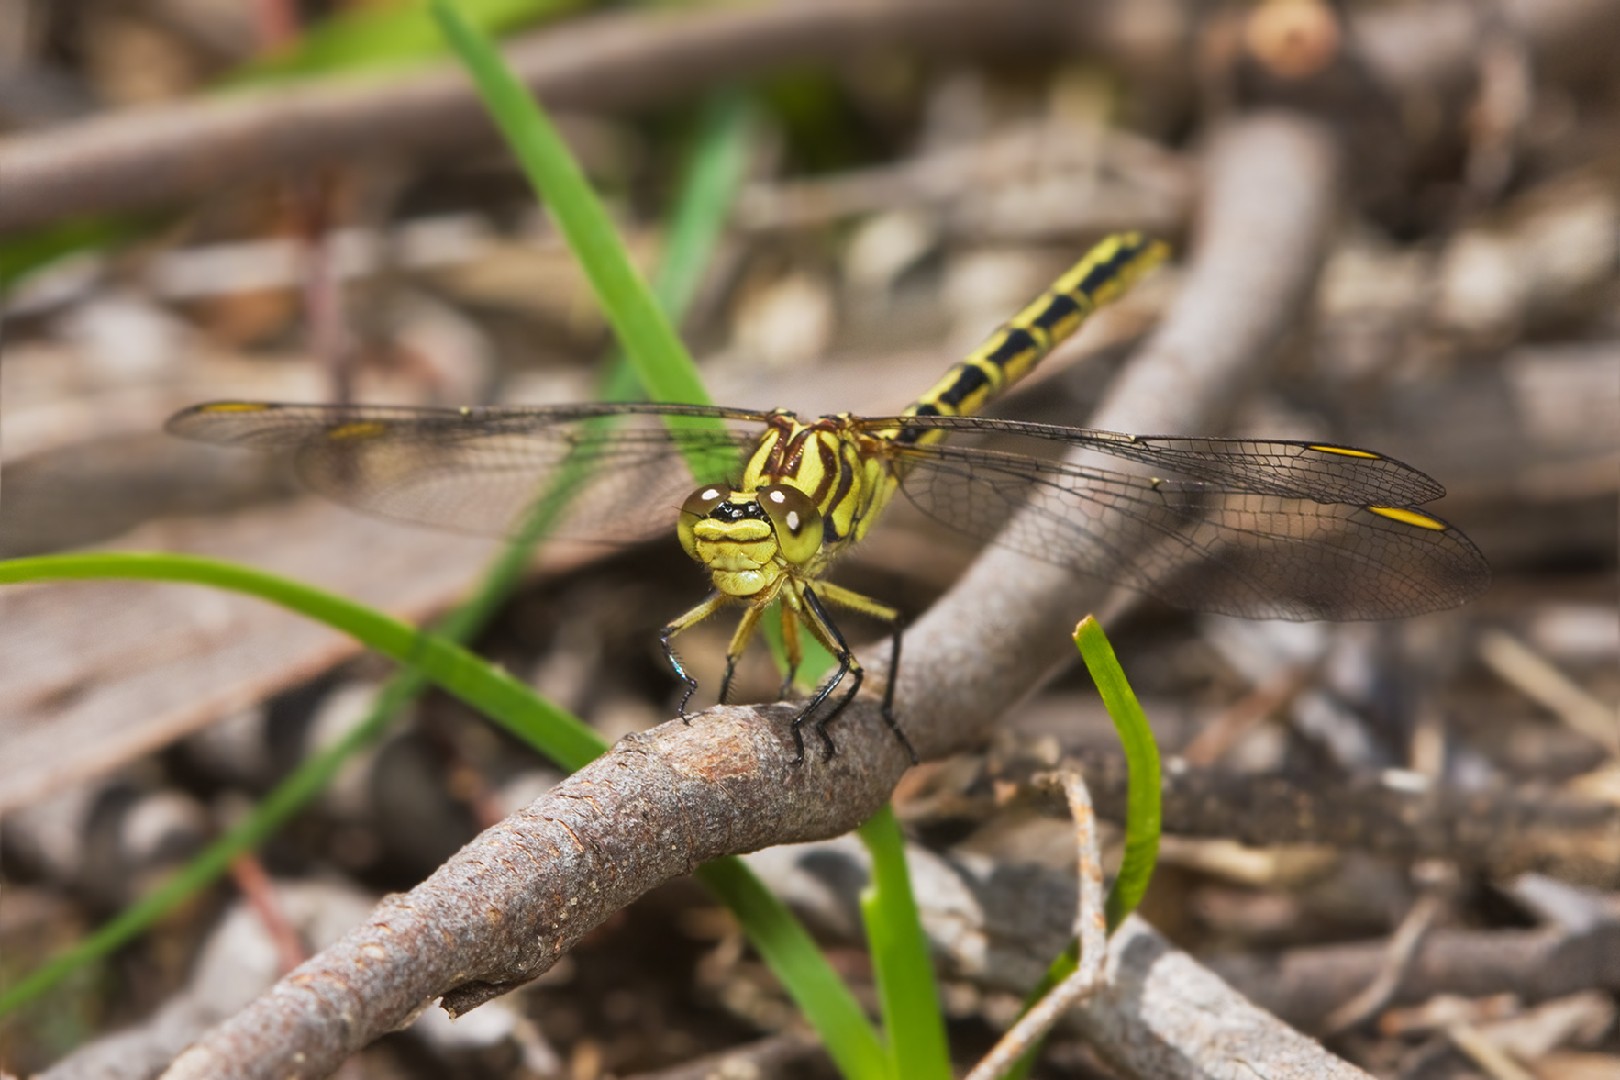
(614, 471)
(1322, 472)
(1264, 529)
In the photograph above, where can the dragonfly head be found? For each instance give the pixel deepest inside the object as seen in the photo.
(748, 539)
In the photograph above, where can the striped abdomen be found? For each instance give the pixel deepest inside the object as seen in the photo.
(1028, 337)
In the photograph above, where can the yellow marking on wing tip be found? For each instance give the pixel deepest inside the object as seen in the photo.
(236, 407)
(358, 429)
(1409, 517)
(1344, 451)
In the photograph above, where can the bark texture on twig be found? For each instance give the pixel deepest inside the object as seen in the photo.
(505, 907)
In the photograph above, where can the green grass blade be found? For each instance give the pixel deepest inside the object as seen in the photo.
(1143, 817)
(791, 953)
(1143, 813)
(660, 360)
(900, 960)
(25, 253)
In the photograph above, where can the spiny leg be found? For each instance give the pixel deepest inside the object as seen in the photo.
(690, 618)
(739, 642)
(826, 631)
(848, 598)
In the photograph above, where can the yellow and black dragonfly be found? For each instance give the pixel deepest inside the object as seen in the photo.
(1251, 527)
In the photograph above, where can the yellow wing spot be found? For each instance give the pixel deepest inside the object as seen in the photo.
(237, 407)
(1344, 451)
(1409, 517)
(358, 429)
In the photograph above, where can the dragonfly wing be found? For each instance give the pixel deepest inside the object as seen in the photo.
(1226, 540)
(482, 470)
(1308, 470)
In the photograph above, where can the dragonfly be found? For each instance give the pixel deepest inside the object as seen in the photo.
(1262, 528)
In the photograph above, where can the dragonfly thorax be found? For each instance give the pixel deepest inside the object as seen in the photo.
(750, 540)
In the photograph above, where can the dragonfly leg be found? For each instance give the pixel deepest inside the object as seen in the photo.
(739, 641)
(675, 626)
(848, 598)
(888, 690)
(791, 646)
(825, 631)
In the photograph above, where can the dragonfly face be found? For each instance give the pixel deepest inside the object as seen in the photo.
(751, 542)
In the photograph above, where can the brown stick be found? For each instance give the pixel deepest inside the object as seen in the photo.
(164, 155)
(1502, 832)
(158, 156)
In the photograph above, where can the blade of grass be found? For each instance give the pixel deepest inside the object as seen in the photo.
(1143, 810)
(705, 196)
(901, 965)
(1142, 804)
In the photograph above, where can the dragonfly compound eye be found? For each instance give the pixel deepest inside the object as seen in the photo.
(698, 505)
(796, 520)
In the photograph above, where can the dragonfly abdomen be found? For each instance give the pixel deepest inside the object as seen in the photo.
(1030, 336)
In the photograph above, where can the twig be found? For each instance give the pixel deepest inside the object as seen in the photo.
(503, 909)
(1395, 814)
(997, 924)
(1403, 949)
(165, 155)
(259, 894)
(1090, 926)
(775, 1055)
(1539, 679)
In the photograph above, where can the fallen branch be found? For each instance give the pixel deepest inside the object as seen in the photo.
(165, 155)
